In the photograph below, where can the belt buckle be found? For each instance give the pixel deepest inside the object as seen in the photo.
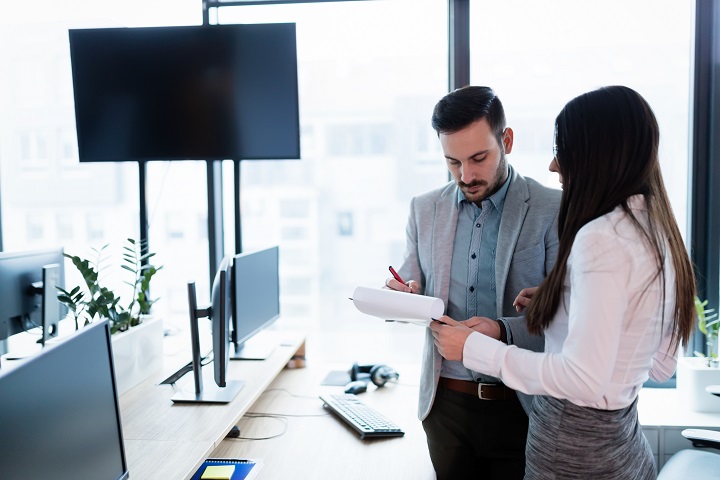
(480, 390)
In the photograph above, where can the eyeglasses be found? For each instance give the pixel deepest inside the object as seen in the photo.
(555, 151)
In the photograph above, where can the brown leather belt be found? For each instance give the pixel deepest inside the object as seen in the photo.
(483, 391)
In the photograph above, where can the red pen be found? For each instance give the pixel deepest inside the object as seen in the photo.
(397, 277)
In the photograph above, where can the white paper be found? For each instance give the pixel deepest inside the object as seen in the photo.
(398, 306)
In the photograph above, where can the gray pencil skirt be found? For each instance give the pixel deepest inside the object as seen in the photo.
(566, 441)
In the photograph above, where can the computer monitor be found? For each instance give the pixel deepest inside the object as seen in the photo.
(219, 313)
(220, 320)
(59, 412)
(28, 293)
(256, 302)
(211, 92)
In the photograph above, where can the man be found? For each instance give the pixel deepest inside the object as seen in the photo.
(475, 243)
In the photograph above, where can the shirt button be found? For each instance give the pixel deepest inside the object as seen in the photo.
(473, 256)
(472, 289)
(477, 225)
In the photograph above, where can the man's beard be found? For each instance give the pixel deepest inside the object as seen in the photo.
(489, 188)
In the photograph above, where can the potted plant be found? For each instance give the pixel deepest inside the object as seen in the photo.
(709, 325)
(694, 373)
(98, 301)
(137, 338)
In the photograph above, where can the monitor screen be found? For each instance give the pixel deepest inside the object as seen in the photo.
(186, 93)
(59, 412)
(28, 297)
(256, 283)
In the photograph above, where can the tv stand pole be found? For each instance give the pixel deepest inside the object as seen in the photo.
(144, 228)
(216, 245)
(236, 201)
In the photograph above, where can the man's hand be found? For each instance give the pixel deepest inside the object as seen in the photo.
(409, 287)
(524, 298)
(450, 337)
(484, 325)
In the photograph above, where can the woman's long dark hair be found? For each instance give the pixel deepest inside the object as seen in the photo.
(607, 151)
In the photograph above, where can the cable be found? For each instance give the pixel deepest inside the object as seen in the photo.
(289, 414)
(182, 371)
(289, 393)
(279, 416)
(264, 415)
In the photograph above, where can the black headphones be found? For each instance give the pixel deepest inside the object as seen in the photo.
(377, 374)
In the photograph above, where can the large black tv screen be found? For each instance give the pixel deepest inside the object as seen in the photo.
(186, 93)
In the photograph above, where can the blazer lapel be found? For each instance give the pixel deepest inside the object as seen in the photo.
(513, 216)
(446, 216)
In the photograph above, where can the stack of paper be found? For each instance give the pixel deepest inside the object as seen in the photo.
(398, 306)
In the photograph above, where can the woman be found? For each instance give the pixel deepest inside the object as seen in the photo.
(614, 309)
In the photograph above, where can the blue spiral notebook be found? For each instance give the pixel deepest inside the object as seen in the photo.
(227, 469)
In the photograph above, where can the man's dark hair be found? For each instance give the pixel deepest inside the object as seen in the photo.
(466, 105)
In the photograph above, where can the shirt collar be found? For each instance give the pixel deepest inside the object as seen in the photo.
(497, 198)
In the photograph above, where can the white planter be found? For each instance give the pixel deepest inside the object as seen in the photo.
(693, 375)
(137, 353)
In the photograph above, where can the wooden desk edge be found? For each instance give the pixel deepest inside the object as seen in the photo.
(188, 454)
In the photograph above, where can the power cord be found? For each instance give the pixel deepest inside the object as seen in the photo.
(282, 417)
(172, 379)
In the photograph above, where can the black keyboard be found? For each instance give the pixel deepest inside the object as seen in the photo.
(364, 419)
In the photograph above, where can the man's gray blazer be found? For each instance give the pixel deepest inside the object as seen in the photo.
(526, 251)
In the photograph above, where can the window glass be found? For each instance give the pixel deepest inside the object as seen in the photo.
(539, 55)
(177, 219)
(369, 75)
(49, 199)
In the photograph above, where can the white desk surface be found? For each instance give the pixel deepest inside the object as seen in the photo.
(311, 443)
(662, 407)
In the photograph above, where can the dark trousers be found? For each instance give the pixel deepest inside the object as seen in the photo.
(479, 439)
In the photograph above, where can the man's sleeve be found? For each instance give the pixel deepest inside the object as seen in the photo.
(410, 268)
(517, 332)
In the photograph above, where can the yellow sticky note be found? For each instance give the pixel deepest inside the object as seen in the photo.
(218, 472)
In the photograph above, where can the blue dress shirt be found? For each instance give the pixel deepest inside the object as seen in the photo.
(472, 274)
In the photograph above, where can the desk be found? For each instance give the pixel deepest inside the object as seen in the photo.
(317, 445)
(313, 446)
(663, 417)
(164, 440)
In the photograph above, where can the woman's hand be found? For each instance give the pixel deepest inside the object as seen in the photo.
(524, 298)
(450, 337)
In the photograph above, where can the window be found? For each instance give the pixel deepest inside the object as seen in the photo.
(369, 75)
(551, 52)
(48, 198)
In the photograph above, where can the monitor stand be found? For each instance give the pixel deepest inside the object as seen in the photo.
(49, 307)
(258, 347)
(205, 391)
(210, 393)
(50, 302)
(22, 346)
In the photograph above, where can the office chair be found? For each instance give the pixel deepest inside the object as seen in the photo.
(692, 462)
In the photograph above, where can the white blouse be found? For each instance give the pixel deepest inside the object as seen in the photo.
(610, 331)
